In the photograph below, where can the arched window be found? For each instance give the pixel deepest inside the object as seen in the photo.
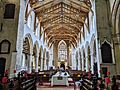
(106, 53)
(62, 51)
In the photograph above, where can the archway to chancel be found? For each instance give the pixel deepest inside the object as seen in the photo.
(62, 54)
(26, 55)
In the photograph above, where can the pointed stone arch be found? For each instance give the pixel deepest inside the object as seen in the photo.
(116, 17)
(116, 33)
(27, 53)
(30, 41)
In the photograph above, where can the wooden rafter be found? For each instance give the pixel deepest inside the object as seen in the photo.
(62, 19)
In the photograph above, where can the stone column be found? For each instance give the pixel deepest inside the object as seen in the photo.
(86, 62)
(13, 62)
(36, 66)
(23, 60)
(98, 55)
(92, 61)
(70, 59)
(55, 54)
(41, 63)
(30, 63)
(79, 62)
(82, 61)
(68, 62)
(45, 63)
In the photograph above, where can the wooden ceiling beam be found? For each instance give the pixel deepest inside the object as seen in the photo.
(70, 27)
(61, 38)
(43, 4)
(63, 30)
(48, 9)
(41, 11)
(66, 18)
(62, 27)
(81, 4)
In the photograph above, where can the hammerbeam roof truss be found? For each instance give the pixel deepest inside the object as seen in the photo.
(61, 19)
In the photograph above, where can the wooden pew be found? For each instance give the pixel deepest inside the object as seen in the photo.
(87, 84)
(29, 84)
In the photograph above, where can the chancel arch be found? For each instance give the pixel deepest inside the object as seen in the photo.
(62, 53)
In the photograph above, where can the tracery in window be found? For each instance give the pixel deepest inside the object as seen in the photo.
(62, 51)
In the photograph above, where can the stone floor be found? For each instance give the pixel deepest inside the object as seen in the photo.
(55, 88)
(48, 87)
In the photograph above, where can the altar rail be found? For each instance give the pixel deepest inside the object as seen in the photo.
(44, 78)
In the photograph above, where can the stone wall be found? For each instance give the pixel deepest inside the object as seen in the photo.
(104, 28)
(9, 30)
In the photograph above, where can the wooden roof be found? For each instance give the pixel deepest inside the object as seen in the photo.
(61, 19)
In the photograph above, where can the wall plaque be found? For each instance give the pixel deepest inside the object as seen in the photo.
(5, 47)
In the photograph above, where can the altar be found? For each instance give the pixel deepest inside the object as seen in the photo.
(60, 78)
